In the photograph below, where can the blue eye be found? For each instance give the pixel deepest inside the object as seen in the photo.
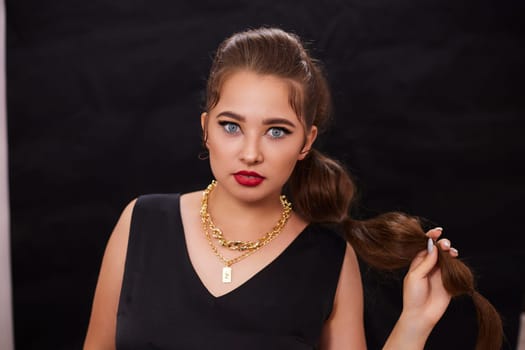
(277, 133)
(229, 127)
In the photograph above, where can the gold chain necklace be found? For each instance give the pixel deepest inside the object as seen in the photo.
(249, 247)
(242, 245)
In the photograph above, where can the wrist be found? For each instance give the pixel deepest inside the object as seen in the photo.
(409, 333)
(414, 325)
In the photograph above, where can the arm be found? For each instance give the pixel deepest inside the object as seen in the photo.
(102, 324)
(344, 329)
(425, 299)
(424, 302)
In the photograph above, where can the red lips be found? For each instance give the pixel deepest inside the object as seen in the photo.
(248, 178)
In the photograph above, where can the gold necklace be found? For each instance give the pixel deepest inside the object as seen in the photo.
(242, 245)
(248, 247)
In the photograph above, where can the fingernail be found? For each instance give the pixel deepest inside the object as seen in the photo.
(446, 243)
(430, 245)
(438, 228)
(454, 250)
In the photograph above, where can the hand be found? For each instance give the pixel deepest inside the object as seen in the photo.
(425, 299)
(424, 296)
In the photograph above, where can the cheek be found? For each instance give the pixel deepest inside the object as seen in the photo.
(217, 142)
(289, 157)
(219, 160)
(217, 151)
(222, 152)
(221, 145)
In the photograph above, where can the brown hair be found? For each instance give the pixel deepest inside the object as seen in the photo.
(321, 188)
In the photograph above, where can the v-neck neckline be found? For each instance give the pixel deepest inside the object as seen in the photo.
(246, 283)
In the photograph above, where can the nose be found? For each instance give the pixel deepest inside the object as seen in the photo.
(251, 152)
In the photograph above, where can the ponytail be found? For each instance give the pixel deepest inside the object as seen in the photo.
(320, 188)
(322, 192)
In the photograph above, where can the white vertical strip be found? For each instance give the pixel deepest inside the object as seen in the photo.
(6, 316)
(521, 337)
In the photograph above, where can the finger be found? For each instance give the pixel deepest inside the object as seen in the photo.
(435, 233)
(444, 244)
(426, 261)
(453, 252)
(437, 284)
(418, 259)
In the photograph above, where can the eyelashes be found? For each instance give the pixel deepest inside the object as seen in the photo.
(230, 127)
(277, 132)
(274, 132)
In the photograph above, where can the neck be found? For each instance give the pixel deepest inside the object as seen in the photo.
(243, 220)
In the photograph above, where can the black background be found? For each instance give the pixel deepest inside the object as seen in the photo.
(104, 99)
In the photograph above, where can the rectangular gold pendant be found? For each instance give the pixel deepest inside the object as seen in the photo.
(226, 274)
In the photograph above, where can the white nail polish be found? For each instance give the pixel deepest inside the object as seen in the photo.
(454, 250)
(446, 244)
(438, 228)
(430, 245)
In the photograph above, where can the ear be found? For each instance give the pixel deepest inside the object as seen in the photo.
(310, 138)
(204, 127)
(204, 117)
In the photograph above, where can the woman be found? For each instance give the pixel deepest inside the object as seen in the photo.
(234, 266)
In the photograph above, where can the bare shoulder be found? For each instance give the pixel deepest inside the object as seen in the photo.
(344, 329)
(191, 199)
(190, 204)
(118, 241)
(102, 323)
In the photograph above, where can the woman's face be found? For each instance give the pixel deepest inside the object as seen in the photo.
(254, 136)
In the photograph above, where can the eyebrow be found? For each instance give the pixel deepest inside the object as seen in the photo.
(267, 121)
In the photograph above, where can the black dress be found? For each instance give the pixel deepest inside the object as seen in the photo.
(164, 305)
